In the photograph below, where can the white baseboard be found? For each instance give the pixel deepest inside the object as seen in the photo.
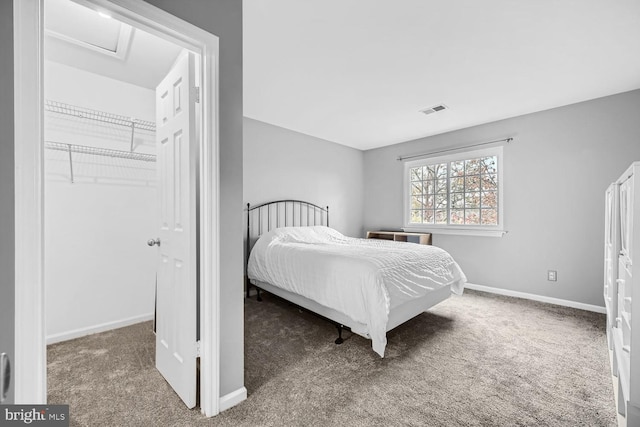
(232, 399)
(77, 333)
(534, 297)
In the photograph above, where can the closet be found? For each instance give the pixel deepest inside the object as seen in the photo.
(622, 288)
(100, 170)
(100, 202)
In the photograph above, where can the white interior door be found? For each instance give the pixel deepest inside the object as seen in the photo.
(177, 275)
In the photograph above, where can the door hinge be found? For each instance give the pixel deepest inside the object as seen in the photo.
(196, 94)
(197, 348)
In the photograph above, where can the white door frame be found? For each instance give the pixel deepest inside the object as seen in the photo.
(30, 349)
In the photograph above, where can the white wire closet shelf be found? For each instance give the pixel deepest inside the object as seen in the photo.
(107, 152)
(99, 116)
(82, 113)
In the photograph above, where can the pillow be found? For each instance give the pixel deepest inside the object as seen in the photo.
(312, 234)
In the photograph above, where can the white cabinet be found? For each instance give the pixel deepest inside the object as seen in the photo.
(623, 314)
(611, 253)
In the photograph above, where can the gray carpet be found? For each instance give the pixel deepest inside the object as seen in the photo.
(475, 360)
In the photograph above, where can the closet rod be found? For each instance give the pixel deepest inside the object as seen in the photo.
(400, 158)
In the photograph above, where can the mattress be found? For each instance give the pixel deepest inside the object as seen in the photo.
(363, 278)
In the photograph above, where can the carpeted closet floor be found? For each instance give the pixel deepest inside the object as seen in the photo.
(474, 360)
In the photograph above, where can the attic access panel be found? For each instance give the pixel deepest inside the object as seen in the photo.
(90, 29)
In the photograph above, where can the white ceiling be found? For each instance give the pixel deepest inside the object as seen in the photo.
(357, 72)
(69, 28)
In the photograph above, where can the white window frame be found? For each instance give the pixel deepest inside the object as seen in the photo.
(469, 230)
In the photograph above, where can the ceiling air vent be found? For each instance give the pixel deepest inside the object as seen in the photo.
(434, 109)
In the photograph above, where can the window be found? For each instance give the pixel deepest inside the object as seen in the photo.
(460, 192)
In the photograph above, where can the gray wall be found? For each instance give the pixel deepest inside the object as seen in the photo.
(7, 207)
(555, 174)
(283, 164)
(224, 19)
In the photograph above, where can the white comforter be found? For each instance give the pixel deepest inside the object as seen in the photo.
(361, 278)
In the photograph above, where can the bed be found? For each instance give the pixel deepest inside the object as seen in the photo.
(367, 285)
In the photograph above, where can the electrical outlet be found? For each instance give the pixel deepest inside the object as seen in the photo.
(552, 275)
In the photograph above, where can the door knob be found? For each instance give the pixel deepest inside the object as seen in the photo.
(5, 376)
(152, 242)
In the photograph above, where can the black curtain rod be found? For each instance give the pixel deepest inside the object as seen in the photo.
(400, 158)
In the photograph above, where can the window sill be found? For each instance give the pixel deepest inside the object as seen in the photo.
(456, 231)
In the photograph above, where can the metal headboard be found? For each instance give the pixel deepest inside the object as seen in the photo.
(281, 213)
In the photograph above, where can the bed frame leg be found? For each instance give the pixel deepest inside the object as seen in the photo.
(257, 290)
(339, 340)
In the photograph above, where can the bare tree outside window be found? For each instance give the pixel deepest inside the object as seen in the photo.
(460, 192)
